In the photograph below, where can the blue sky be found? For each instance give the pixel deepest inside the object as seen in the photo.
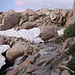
(20, 5)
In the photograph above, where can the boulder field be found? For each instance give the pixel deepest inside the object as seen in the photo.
(28, 42)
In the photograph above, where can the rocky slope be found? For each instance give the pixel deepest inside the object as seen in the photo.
(31, 36)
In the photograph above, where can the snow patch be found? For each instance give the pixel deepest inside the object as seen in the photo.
(31, 34)
(3, 48)
(61, 31)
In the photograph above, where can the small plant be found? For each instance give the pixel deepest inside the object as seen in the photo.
(72, 49)
(58, 41)
(69, 31)
(71, 65)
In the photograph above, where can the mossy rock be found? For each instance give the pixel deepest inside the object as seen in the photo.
(69, 31)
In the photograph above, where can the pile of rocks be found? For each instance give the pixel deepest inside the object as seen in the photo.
(34, 59)
(25, 57)
(29, 18)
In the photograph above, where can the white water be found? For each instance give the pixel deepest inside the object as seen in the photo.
(31, 34)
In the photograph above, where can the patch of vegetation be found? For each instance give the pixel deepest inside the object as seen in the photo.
(72, 49)
(69, 31)
(71, 65)
(58, 41)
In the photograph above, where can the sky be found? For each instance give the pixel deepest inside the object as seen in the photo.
(21, 5)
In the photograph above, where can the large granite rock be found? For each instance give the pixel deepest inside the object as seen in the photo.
(29, 15)
(10, 21)
(43, 11)
(28, 25)
(33, 17)
(17, 50)
(48, 32)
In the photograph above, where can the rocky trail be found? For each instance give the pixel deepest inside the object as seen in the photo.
(29, 42)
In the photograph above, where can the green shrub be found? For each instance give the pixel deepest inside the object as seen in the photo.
(72, 49)
(69, 31)
(71, 65)
(58, 41)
